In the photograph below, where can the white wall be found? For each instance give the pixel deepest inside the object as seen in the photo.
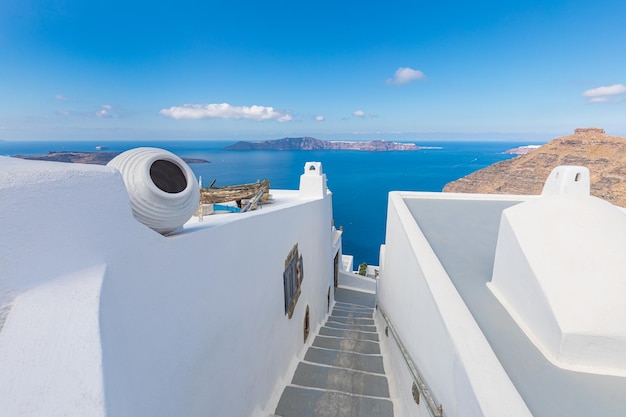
(436, 327)
(61, 224)
(565, 253)
(212, 332)
(190, 325)
(357, 282)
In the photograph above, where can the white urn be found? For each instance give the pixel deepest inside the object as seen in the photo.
(162, 188)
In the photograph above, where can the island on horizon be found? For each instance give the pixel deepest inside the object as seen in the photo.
(310, 144)
(96, 158)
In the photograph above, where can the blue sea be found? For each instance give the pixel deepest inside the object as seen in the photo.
(360, 181)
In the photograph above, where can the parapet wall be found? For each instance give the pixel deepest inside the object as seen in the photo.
(449, 349)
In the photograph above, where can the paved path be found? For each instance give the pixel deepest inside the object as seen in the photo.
(342, 373)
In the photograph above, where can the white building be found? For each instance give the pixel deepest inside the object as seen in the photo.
(510, 305)
(102, 316)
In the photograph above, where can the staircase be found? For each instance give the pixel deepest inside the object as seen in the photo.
(342, 373)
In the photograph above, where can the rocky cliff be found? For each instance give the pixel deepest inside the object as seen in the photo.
(307, 144)
(605, 156)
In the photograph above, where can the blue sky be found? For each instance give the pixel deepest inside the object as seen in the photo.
(394, 70)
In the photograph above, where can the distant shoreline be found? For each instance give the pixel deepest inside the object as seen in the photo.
(521, 150)
(310, 144)
(96, 158)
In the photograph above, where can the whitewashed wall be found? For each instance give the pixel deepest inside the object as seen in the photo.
(357, 282)
(436, 327)
(190, 325)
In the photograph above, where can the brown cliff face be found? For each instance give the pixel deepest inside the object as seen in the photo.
(605, 156)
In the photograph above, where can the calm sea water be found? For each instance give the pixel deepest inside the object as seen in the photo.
(360, 181)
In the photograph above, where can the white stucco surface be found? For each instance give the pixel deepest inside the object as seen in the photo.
(462, 230)
(108, 317)
(559, 270)
(357, 282)
(50, 352)
(568, 179)
(439, 332)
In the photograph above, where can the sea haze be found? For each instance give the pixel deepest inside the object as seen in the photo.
(360, 181)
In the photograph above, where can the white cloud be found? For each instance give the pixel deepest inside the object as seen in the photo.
(605, 94)
(359, 113)
(404, 75)
(319, 118)
(61, 97)
(606, 91)
(105, 111)
(225, 111)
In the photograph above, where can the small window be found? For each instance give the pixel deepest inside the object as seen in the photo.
(328, 301)
(292, 279)
(312, 167)
(577, 177)
(307, 325)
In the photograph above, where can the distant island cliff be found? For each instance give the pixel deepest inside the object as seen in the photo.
(97, 158)
(605, 156)
(308, 144)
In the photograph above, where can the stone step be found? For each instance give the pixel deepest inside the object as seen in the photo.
(352, 320)
(348, 334)
(302, 402)
(342, 373)
(344, 326)
(352, 314)
(352, 307)
(347, 345)
(357, 313)
(344, 295)
(342, 380)
(356, 361)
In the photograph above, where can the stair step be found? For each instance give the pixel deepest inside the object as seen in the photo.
(348, 334)
(352, 314)
(355, 307)
(302, 402)
(342, 380)
(354, 310)
(344, 295)
(352, 320)
(347, 345)
(344, 326)
(342, 373)
(366, 363)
